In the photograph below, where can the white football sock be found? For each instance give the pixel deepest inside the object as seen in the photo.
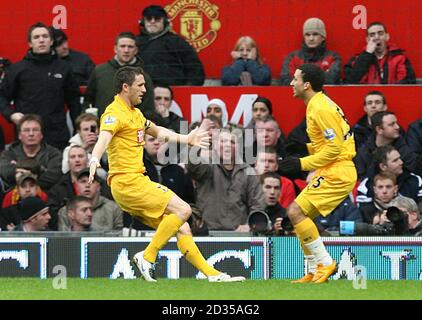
(311, 264)
(317, 249)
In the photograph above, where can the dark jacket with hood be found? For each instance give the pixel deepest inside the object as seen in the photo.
(409, 185)
(82, 66)
(172, 122)
(100, 91)
(169, 59)
(42, 84)
(362, 130)
(364, 162)
(328, 60)
(414, 141)
(364, 68)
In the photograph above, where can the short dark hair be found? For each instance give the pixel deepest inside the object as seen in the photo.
(266, 175)
(165, 87)
(126, 75)
(380, 155)
(377, 93)
(30, 117)
(125, 34)
(376, 119)
(38, 25)
(376, 23)
(71, 205)
(314, 75)
(265, 101)
(267, 149)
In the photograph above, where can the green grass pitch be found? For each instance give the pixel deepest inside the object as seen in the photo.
(191, 289)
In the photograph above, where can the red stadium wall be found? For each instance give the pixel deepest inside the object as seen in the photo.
(289, 111)
(403, 100)
(275, 24)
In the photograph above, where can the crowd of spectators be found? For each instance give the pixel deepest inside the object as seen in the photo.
(44, 175)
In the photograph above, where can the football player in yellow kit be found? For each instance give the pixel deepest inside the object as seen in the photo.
(122, 131)
(331, 151)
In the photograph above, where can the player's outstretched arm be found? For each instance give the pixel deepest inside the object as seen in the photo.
(196, 137)
(103, 141)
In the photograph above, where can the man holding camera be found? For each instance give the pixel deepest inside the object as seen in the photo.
(409, 209)
(86, 136)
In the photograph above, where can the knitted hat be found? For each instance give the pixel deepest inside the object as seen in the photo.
(30, 207)
(314, 25)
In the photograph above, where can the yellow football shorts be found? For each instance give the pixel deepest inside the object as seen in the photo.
(136, 194)
(328, 188)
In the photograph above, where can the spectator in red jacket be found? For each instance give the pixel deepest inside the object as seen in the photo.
(380, 62)
(314, 50)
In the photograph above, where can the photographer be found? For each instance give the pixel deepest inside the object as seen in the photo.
(409, 209)
(385, 189)
(401, 218)
(274, 220)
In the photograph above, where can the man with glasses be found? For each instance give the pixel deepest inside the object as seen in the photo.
(168, 58)
(31, 146)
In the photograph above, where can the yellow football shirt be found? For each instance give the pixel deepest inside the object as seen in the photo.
(329, 132)
(127, 125)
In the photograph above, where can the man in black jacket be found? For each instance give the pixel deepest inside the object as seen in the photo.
(414, 141)
(168, 58)
(386, 131)
(374, 102)
(81, 63)
(388, 159)
(41, 84)
(163, 96)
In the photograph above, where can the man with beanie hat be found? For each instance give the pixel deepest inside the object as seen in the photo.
(169, 59)
(81, 63)
(34, 214)
(313, 51)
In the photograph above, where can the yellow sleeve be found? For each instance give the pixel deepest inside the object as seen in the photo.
(329, 124)
(110, 122)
